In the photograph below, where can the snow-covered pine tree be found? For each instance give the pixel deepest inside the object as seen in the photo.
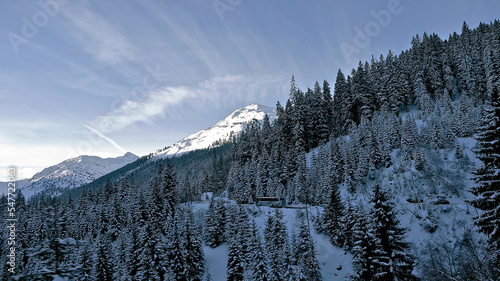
(235, 260)
(306, 252)
(331, 219)
(487, 178)
(433, 60)
(168, 187)
(293, 249)
(449, 82)
(150, 260)
(424, 101)
(321, 114)
(365, 97)
(85, 262)
(335, 161)
(293, 271)
(214, 232)
(245, 232)
(195, 257)
(297, 112)
(132, 251)
(408, 138)
(314, 177)
(232, 222)
(341, 104)
(258, 263)
(122, 270)
(155, 201)
(391, 258)
(348, 225)
(175, 251)
(276, 238)
(363, 249)
(327, 105)
(492, 67)
(302, 188)
(102, 267)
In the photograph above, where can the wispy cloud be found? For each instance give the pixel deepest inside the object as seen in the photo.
(130, 112)
(213, 94)
(97, 36)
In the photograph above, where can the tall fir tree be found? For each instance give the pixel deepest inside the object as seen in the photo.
(487, 178)
(214, 224)
(85, 262)
(341, 104)
(235, 261)
(102, 267)
(150, 265)
(175, 251)
(306, 252)
(258, 263)
(195, 257)
(276, 237)
(363, 249)
(331, 220)
(391, 258)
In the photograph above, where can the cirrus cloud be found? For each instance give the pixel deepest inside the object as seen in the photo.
(130, 112)
(213, 94)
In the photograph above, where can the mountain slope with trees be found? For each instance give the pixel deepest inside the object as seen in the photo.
(387, 160)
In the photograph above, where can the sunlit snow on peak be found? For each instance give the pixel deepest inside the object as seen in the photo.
(223, 130)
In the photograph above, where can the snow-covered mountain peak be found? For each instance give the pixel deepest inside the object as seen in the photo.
(247, 114)
(223, 130)
(75, 172)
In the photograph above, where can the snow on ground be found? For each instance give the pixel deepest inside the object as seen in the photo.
(334, 263)
(426, 221)
(329, 257)
(216, 261)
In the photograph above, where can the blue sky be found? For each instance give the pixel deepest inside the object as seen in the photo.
(105, 77)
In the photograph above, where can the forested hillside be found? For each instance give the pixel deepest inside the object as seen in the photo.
(399, 160)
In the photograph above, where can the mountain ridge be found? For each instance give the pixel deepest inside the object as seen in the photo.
(75, 172)
(223, 130)
(84, 169)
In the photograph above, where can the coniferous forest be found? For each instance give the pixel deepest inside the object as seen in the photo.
(404, 141)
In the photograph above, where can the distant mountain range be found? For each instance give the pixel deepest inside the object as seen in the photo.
(75, 172)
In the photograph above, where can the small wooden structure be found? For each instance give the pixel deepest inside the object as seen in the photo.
(270, 201)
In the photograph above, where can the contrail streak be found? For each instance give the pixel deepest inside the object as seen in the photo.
(106, 138)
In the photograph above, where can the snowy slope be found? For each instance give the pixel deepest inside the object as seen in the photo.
(224, 129)
(75, 172)
(428, 223)
(335, 264)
